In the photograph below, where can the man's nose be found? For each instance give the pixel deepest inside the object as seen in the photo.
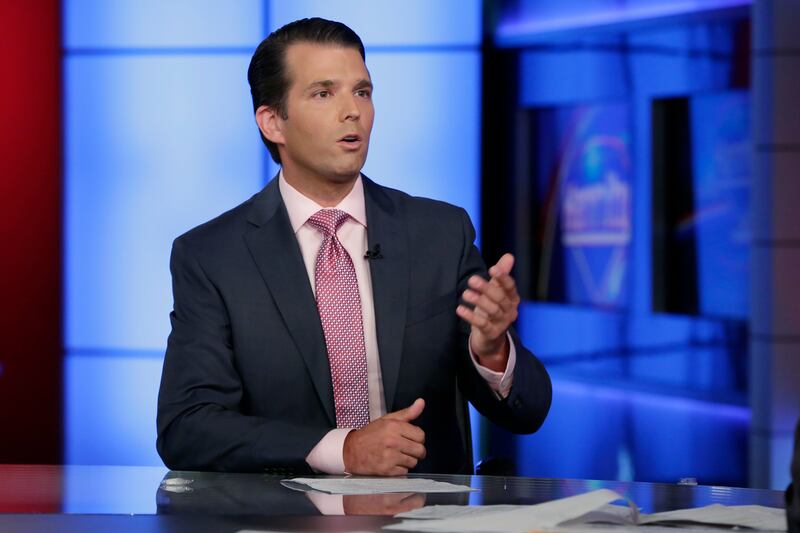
(349, 108)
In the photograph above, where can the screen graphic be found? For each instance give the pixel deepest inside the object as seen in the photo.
(583, 187)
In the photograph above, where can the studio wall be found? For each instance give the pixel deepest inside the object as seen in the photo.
(160, 137)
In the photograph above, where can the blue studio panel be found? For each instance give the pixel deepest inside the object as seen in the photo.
(110, 407)
(411, 23)
(160, 137)
(641, 436)
(426, 138)
(125, 24)
(156, 142)
(155, 145)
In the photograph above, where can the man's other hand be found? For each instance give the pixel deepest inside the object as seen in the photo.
(495, 308)
(388, 446)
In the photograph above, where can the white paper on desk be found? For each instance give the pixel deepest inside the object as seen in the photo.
(752, 516)
(430, 512)
(275, 531)
(623, 515)
(543, 515)
(749, 516)
(376, 485)
(606, 528)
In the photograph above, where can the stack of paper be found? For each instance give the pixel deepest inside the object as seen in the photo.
(588, 512)
(516, 519)
(375, 485)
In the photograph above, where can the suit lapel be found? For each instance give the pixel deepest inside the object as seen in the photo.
(274, 248)
(386, 227)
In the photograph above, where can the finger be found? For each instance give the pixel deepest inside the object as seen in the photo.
(507, 283)
(503, 265)
(474, 319)
(397, 471)
(410, 413)
(412, 433)
(509, 299)
(495, 292)
(414, 449)
(480, 322)
(406, 461)
(414, 410)
(483, 302)
(502, 290)
(491, 288)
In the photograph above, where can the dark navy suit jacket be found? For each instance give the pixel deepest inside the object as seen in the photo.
(246, 384)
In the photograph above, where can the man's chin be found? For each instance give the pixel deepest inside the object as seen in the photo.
(346, 174)
(350, 168)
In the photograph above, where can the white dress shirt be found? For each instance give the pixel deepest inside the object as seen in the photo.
(327, 455)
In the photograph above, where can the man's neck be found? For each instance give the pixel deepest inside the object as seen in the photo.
(325, 192)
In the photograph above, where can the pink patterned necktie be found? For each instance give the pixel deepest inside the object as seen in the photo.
(339, 306)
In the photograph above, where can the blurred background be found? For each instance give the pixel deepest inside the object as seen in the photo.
(640, 158)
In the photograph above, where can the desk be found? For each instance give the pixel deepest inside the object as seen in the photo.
(122, 499)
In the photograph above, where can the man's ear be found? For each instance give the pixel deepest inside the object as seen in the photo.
(270, 122)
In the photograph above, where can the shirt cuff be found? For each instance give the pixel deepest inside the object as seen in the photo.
(328, 455)
(499, 382)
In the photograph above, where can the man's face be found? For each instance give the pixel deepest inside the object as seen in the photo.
(330, 113)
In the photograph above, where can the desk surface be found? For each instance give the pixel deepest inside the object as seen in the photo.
(104, 498)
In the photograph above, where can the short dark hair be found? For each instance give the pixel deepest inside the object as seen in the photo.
(267, 75)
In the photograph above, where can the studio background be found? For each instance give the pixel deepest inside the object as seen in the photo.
(638, 157)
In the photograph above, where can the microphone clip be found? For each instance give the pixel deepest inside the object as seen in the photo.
(373, 254)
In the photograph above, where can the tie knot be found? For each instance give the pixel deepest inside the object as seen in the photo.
(328, 221)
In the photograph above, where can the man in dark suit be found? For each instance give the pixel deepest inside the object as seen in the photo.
(317, 326)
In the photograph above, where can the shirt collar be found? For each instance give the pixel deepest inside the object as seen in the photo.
(301, 207)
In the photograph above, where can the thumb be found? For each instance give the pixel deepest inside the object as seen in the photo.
(409, 413)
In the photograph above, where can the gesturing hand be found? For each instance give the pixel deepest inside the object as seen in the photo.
(496, 302)
(388, 446)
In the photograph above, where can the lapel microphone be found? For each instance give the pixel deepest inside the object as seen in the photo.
(373, 254)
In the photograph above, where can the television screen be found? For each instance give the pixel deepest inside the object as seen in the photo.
(582, 197)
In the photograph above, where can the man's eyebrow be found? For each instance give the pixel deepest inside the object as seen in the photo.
(323, 84)
(363, 83)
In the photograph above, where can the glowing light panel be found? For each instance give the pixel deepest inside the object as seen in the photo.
(412, 22)
(99, 24)
(154, 146)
